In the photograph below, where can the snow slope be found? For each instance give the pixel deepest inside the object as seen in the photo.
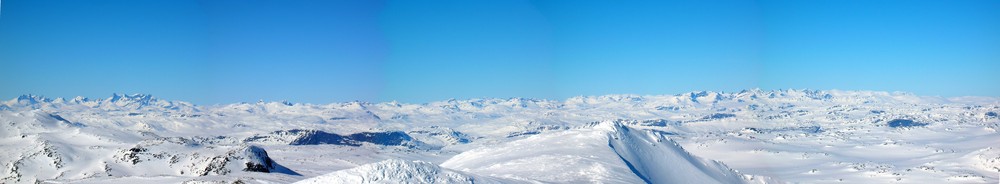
(401, 171)
(608, 152)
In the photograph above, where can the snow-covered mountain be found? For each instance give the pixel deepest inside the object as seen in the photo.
(606, 152)
(751, 136)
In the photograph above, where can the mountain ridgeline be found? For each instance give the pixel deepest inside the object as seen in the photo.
(699, 137)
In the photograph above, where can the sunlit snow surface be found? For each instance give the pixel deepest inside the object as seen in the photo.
(750, 136)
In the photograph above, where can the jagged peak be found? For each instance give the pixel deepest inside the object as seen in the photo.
(702, 96)
(615, 125)
(355, 105)
(137, 100)
(752, 90)
(115, 97)
(79, 99)
(622, 97)
(523, 99)
(31, 99)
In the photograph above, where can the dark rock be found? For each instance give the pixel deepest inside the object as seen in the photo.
(394, 138)
(718, 116)
(900, 123)
(257, 160)
(315, 137)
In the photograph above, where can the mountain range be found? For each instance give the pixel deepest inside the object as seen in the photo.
(750, 136)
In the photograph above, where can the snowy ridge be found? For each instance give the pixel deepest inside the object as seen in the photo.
(401, 171)
(657, 159)
(608, 152)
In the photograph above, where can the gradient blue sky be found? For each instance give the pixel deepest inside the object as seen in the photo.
(211, 52)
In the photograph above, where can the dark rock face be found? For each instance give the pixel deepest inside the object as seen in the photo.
(667, 108)
(902, 123)
(63, 120)
(991, 114)
(381, 138)
(254, 159)
(131, 155)
(718, 116)
(315, 137)
(649, 122)
(802, 129)
(257, 160)
(537, 130)
(656, 122)
(446, 134)
(256, 168)
(200, 160)
(216, 166)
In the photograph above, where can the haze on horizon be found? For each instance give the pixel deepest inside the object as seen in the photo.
(211, 52)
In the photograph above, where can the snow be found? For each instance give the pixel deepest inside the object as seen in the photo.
(609, 152)
(401, 171)
(753, 136)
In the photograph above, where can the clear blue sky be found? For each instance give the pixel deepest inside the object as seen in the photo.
(211, 52)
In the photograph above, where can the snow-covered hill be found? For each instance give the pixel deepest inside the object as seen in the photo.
(607, 152)
(747, 136)
(401, 171)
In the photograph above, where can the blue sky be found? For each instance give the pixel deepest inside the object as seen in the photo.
(211, 52)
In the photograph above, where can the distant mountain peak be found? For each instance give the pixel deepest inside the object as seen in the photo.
(115, 97)
(28, 99)
(132, 101)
